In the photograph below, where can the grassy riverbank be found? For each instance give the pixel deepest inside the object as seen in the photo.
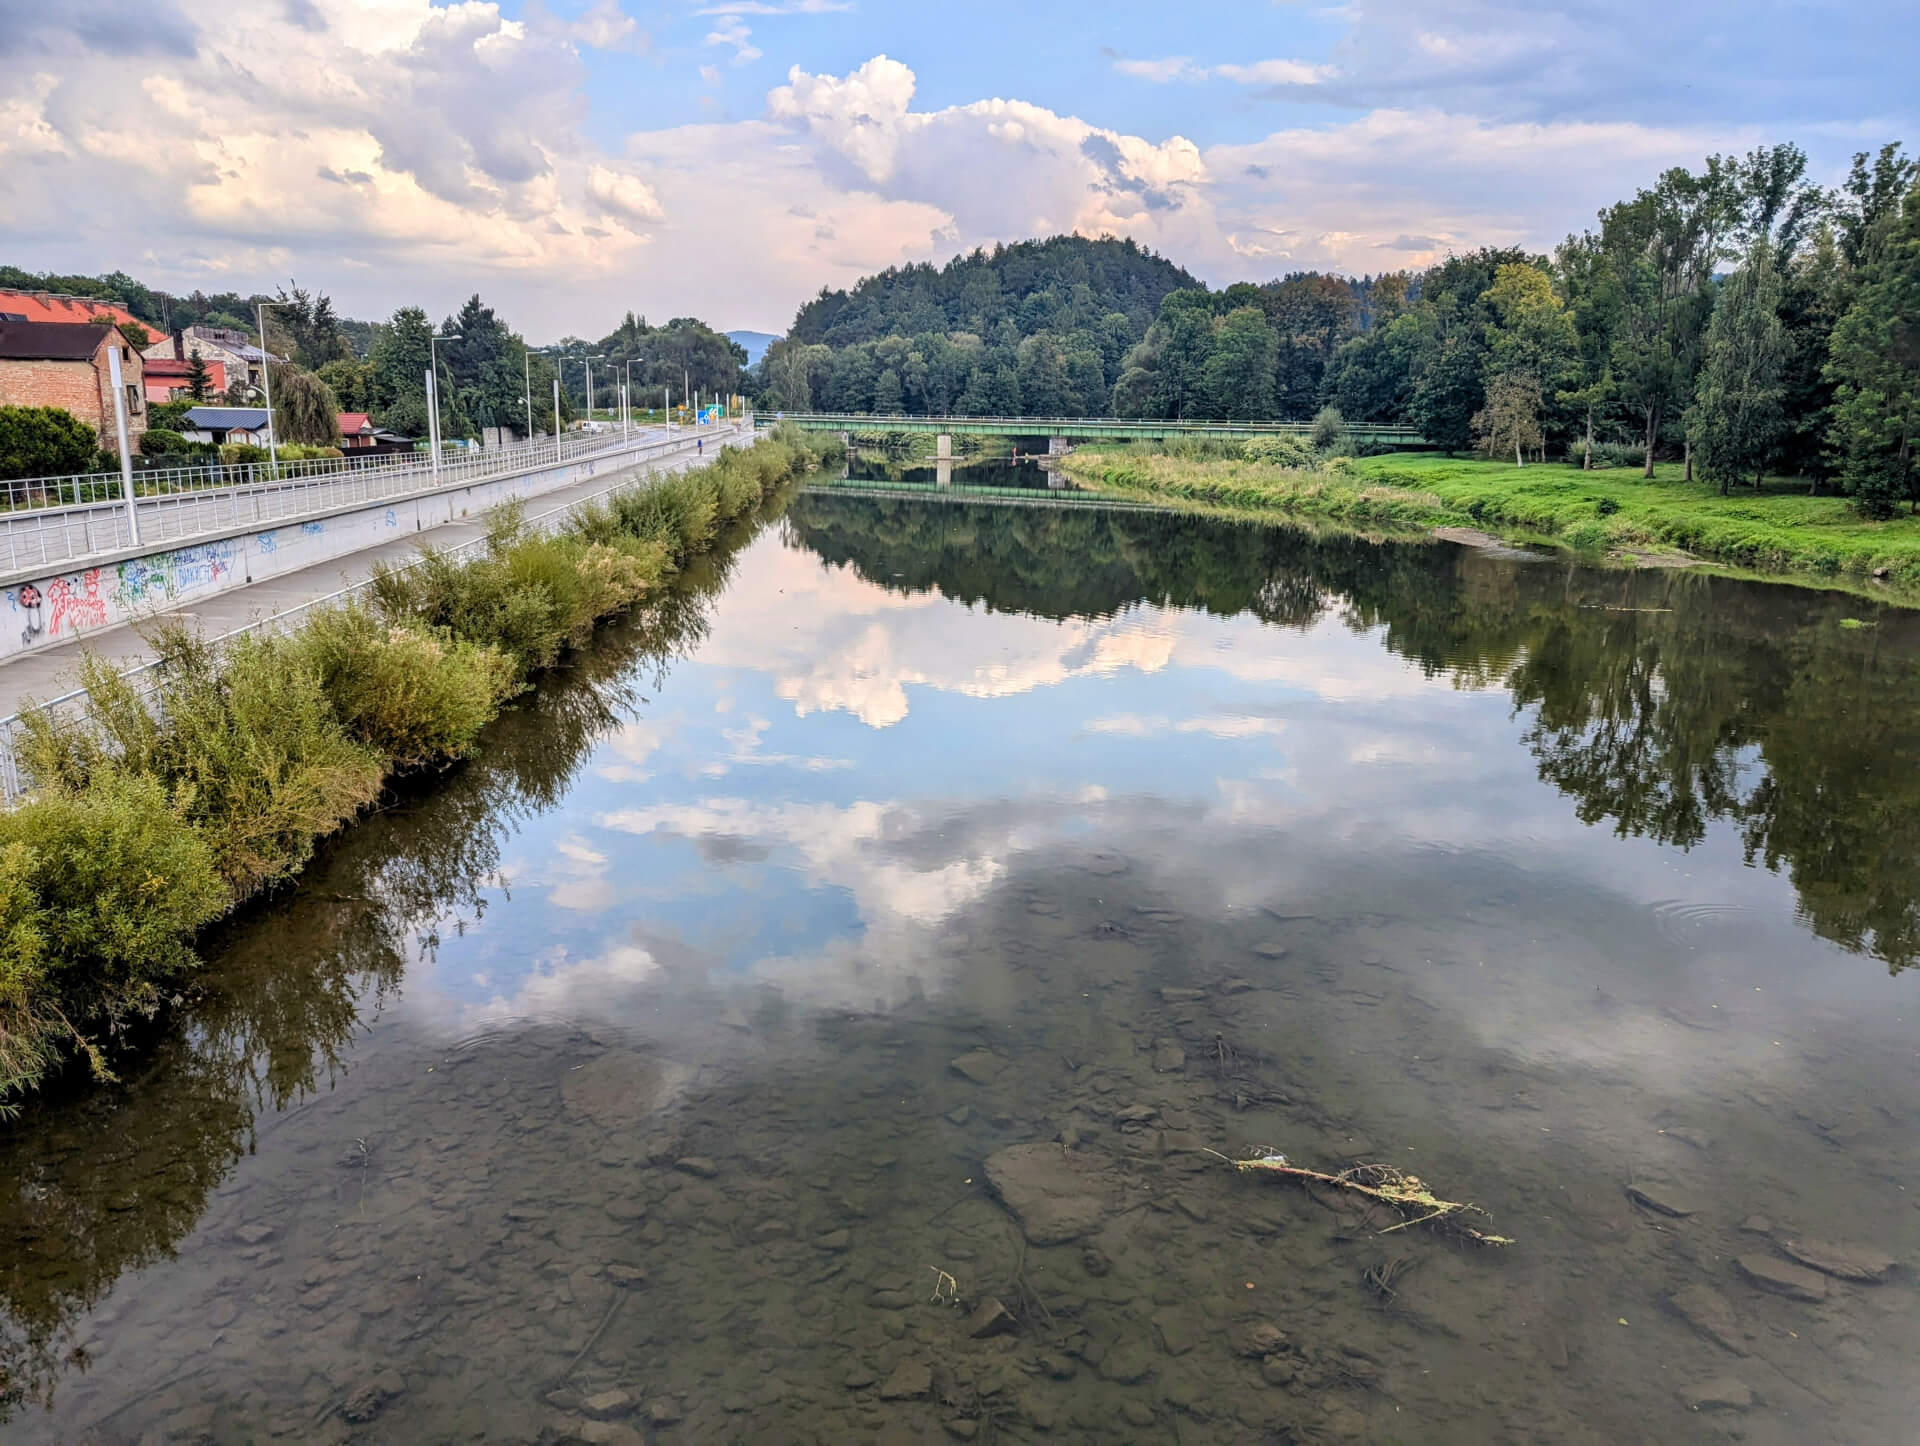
(149, 822)
(1778, 530)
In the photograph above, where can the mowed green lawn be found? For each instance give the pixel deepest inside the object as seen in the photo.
(1780, 529)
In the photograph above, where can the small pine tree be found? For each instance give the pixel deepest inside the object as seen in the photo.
(199, 380)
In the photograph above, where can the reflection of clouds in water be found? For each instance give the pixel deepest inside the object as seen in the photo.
(850, 848)
(559, 986)
(634, 743)
(744, 750)
(582, 884)
(836, 643)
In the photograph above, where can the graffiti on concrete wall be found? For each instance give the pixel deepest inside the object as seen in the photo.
(75, 603)
(168, 574)
(57, 606)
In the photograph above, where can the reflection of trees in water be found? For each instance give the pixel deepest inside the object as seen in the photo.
(1661, 700)
(109, 1179)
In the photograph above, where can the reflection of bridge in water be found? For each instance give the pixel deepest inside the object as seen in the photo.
(981, 494)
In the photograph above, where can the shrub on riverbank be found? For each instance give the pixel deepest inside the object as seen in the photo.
(155, 815)
(1779, 530)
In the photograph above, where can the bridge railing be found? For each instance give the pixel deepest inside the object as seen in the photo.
(13, 785)
(1044, 426)
(55, 522)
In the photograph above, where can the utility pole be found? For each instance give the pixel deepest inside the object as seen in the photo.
(526, 369)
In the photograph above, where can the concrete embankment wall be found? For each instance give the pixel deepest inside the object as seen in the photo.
(41, 612)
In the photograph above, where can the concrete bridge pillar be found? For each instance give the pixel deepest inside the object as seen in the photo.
(1056, 446)
(942, 472)
(943, 446)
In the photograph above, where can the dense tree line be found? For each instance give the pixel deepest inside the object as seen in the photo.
(1040, 328)
(1739, 319)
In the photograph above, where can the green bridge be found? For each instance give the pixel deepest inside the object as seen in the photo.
(1062, 430)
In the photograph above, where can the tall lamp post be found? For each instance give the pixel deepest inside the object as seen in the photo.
(266, 374)
(526, 369)
(433, 389)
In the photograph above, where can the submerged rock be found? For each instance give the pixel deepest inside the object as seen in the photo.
(622, 1088)
(369, 1400)
(979, 1066)
(1664, 1199)
(1182, 996)
(1722, 1393)
(1707, 1311)
(1777, 1276)
(989, 1318)
(1844, 1261)
(910, 1381)
(1055, 1196)
(1168, 1057)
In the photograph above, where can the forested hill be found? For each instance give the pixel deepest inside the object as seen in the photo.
(1064, 284)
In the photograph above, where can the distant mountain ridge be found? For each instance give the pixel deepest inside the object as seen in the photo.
(755, 342)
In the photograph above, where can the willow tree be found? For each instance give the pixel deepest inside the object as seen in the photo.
(305, 410)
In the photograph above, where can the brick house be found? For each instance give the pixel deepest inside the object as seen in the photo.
(64, 364)
(240, 360)
(167, 379)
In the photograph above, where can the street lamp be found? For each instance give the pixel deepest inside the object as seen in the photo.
(628, 374)
(266, 374)
(590, 360)
(433, 388)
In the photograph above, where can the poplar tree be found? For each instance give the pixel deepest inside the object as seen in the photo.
(1874, 364)
(1736, 421)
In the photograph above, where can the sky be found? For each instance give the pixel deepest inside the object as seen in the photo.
(571, 160)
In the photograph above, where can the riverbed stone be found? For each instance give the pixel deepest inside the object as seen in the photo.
(1781, 1278)
(989, 1318)
(698, 1165)
(1663, 1199)
(1056, 1196)
(372, 1397)
(1168, 1057)
(621, 1088)
(604, 1405)
(908, 1381)
(1708, 1312)
(1182, 996)
(1721, 1393)
(1127, 1363)
(1846, 1262)
(979, 1066)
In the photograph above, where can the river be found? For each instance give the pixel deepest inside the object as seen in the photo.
(814, 1014)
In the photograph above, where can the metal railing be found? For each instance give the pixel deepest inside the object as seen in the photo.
(49, 523)
(1045, 426)
(13, 786)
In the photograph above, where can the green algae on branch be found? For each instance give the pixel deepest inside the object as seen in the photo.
(1382, 1184)
(1780, 531)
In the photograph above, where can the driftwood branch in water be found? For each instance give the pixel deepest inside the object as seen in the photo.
(1383, 1184)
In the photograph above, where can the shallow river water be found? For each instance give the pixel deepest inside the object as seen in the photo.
(819, 1012)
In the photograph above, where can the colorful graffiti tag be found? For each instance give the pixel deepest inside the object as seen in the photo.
(166, 576)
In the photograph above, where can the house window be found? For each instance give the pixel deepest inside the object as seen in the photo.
(134, 399)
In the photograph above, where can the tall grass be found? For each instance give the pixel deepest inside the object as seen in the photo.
(1782, 530)
(155, 814)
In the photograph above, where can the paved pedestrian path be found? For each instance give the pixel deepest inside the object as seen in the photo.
(48, 672)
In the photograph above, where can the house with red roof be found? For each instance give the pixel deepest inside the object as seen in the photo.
(169, 378)
(356, 430)
(19, 304)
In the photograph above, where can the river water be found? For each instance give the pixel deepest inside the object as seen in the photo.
(813, 1015)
